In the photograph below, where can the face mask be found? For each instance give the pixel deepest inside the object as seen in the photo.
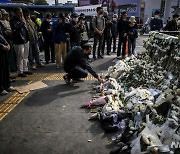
(114, 19)
(156, 16)
(75, 19)
(48, 20)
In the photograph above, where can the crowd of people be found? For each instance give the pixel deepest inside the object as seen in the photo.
(23, 36)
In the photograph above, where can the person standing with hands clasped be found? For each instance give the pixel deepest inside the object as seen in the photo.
(75, 31)
(156, 23)
(98, 23)
(47, 33)
(4, 69)
(132, 35)
(60, 40)
(20, 38)
(76, 64)
(122, 29)
(4, 65)
(114, 32)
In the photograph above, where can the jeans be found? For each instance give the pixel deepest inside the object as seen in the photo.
(77, 72)
(97, 38)
(113, 40)
(34, 54)
(131, 46)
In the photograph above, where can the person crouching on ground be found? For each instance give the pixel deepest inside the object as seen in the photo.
(76, 64)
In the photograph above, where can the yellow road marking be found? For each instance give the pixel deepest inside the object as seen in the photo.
(16, 98)
(48, 76)
(10, 104)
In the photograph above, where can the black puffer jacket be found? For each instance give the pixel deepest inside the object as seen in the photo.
(75, 33)
(122, 27)
(156, 24)
(171, 26)
(77, 58)
(47, 35)
(20, 32)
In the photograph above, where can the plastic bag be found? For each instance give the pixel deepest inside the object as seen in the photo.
(136, 146)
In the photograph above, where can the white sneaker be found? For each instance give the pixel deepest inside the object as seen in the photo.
(4, 92)
(11, 89)
(34, 67)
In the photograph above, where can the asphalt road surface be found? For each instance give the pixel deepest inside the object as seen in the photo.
(49, 120)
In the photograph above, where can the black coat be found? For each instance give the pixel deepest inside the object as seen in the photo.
(122, 27)
(114, 29)
(20, 33)
(4, 64)
(75, 33)
(171, 26)
(77, 58)
(132, 30)
(107, 30)
(48, 36)
(156, 24)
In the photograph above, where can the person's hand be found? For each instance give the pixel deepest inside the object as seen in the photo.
(22, 18)
(6, 47)
(125, 34)
(76, 26)
(8, 32)
(49, 30)
(109, 22)
(100, 79)
(100, 32)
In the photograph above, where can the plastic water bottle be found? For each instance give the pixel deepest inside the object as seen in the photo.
(137, 120)
(122, 126)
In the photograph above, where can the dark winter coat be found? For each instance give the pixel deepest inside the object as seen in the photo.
(156, 24)
(20, 32)
(122, 27)
(77, 58)
(44, 28)
(171, 26)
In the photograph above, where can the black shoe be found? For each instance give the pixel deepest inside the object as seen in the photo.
(22, 75)
(66, 79)
(89, 60)
(100, 57)
(28, 73)
(52, 61)
(3, 93)
(94, 58)
(47, 62)
(76, 80)
(108, 54)
(12, 77)
(12, 80)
